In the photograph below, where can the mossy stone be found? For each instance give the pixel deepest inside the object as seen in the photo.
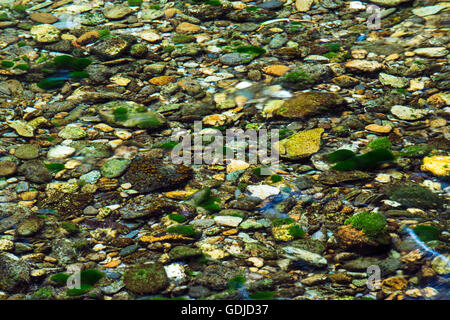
(114, 167)
(146, 279)
(27, 151)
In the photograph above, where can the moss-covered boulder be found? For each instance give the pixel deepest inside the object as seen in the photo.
(415, 196)
(149, 174)
(307, 104)
(146, 279)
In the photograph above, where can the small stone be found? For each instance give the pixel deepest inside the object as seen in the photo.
(441, 264)
(300, 145)
(263, 191)
(150, 36)
(432, 52)
(60, 152)
(235, 165)
(72, 132)
(393, 81)
(45, 33)
(276, 69)
(116, 12)
(27, 151)
(162, 80)
(363, 65)
(114, 167)
(6, 245)
(438, 165)
(235, 58)
(379, 129)
(303, 5)
(228, 221)
(187, 28)
(307, 257)
(43, 17)
(407, 113)
(7, 168)
(22, 128)
(428, 10)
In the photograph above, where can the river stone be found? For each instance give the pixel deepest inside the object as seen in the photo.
(146, 279)
(7, 167)
(29, 226)
(393, 81)
(235, 58)
(407, 113)
(149, 174)
(14, 273)
(297, 254)
(72, 132)
(45, 33)
(432, 52)
(116, 12)
(35, 171)
(27, 151)
(113, 168)
(307, 104)
(300, 145)
(130, 114)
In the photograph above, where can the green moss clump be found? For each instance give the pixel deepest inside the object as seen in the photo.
(281, 221)
(253, 50)
(427, 233)
(251, 8)
(70, 227)
(294, 76)
(103, 34)
(187, 231)
(371, 223)
(168, 48)
(415, 196)
(367, 161)
(296, 231)
(416, 151)
(42, 294)
(333, 47)
(380, 143)
(120, 114)
(88, 278)
(168, 145)
(183, 38)
(60, 278)
(134, 3)
(177, 217)
(7, 64)
(340, 155)
(203, 198)
(216, 3)
(54, 167)
(236, 282)
(275, 178)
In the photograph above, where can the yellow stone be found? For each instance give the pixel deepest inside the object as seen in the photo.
(235, 165)
(178, 194)
(379, 129)
(300, 145)
(276, 69)
(438, 165)
(215, 120)
(186, 27)
(162, 80)
(150, 36)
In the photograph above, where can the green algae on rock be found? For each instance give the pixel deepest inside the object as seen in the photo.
(146, 279)
(371, 223)
(307, 104)
(130, 114)
(300, 145)
(366, 161)
(149, 174)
